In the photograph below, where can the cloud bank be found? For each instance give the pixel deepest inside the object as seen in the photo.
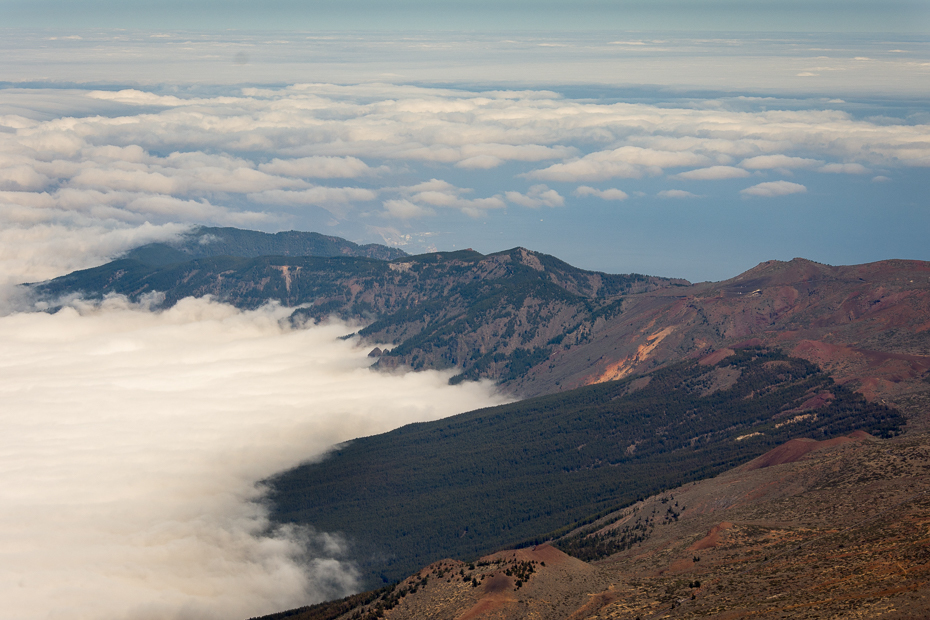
(772, 189)
(133, 441)
(87, 174)
(261, 157)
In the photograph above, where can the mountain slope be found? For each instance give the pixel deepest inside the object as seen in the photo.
(465, 485)
(867, 325)
(538, 325)
(830, 529)
(492, 316)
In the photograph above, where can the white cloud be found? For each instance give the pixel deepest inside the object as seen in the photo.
(433, 185)
(880, 179)
(676, 193)
(844, 169)
(183, 175)
(768, 162)
(587, 170)
(22, 178)
(603, 194)
(133, 440)
(141, 98)
(470, 206)
(767, 64)
(774, 188)
(537, 196)
(480, 162)
(109, 160)
(318, 195)
(624, 162)
(713, 173)
(404, 209)
(418, 200)
(259, 144)
(318, 167)
(166, 208)
(32, 251)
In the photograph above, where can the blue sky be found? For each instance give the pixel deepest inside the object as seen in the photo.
(899, 16)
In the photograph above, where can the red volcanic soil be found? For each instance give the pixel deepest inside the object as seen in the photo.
(540, 553)
(884, 368)
(817, 400)
(597, 602)
(796, 449)
(493, 600)
(716, 357)
(498, 594)
(713, 537)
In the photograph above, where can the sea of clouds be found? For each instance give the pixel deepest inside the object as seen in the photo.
(133, 441)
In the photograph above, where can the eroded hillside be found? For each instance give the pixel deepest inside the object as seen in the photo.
(867, 325)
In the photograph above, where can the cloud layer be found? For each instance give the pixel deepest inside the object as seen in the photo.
(772, 189)
(382, 155)
(133, 441)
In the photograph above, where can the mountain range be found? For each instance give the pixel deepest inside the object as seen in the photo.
(538, 325)
(635, 392)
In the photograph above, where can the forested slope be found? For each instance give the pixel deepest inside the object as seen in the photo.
(491, 478)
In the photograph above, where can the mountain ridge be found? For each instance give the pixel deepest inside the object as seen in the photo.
(537, 325)
(490, 315)
(205, 241)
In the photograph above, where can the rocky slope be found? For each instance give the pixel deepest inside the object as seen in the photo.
(495, 477)
(491, 316)
(867, 325)
(835, 529)
(538, 325)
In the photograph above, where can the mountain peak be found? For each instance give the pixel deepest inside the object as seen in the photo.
(782, 272)
(203, 242)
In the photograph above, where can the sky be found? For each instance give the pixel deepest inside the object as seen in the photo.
(479, 15)
(677, 138)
